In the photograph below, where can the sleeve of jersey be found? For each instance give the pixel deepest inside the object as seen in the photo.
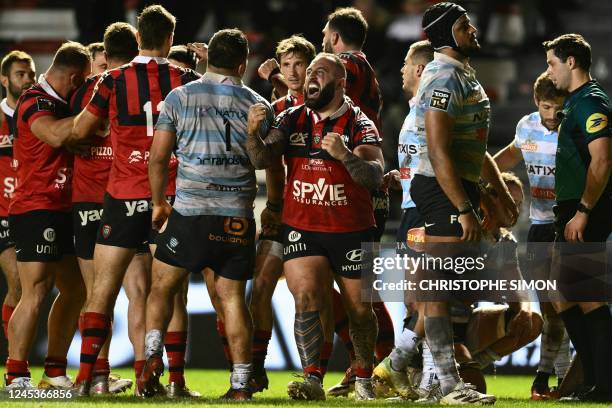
(443, 94)
(365, 132)
(594, 114)
(282, 121)
(99, 103)
(168, 116)
(36, 107)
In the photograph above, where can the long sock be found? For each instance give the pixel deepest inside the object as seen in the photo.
(96, 327)
(578, 334)
(599, 326)
(55, 366)
(386, 332)
(15, 369)
(223, 337)
(326, 351)
(241, 375)
(428, 379)
(176, 344)
(405, 348)
(363, 334)
(138, 367)
(308, 332)
(101, 368)
(439, 334)
(341, 323)
(552, 336)
(563, 359)
(7, 312)
(261, 339)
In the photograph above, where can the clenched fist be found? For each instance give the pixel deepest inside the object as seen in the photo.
(333, 144)
(257, 114)
(266, 68)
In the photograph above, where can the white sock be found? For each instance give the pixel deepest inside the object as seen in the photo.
(428, 379)
(405, 347)
(241, 375)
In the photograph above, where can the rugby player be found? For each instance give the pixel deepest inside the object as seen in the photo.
(98, 58)
(583, 193)
(39, 216)
(130, 98)
(536, 144)
(294, 54)
(17, 73)
(453, 111)
(344, 35)
(322, 226)
(211, 223)
(90, 177)
(392, 370)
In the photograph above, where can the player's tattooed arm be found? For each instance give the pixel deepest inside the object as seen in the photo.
(262, 153)
(364, 163)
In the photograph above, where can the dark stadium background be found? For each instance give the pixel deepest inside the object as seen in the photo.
(511, 32)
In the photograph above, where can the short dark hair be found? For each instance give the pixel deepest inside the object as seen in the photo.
(71, 54)
(182, 54)
(12, 57)
(422, 52)
(120, 42)
(545, 90)
(155, 24)
(296, 44)
(228, 49)
(95, 48)
(350, 24)
(571, 45)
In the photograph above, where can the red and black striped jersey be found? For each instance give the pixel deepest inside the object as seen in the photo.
(286, 102)
(90, 171)
(44, 173)
(8, 176)
(362, 86)
(320, 194)
(131, 97)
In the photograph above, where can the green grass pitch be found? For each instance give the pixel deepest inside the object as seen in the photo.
(512, 391)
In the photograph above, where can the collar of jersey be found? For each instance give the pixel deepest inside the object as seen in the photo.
(141, 59)
(412, 102)
(450, 60)
(222, 79)
(7, 109)
(42, 81)
(341, 110)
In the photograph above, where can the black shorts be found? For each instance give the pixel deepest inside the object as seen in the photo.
(6, 241)
(86, 223)
(583, 274)
(342, 249)
(599, 225)
(439, 214)
(224, 244)
(538, 258)
(410, 219)
(125, 223)
(380, 204)
(42, 235)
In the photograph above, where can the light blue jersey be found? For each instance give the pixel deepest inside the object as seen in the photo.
(448, 85)
(408, 154)
(209, 117)
(539, 148)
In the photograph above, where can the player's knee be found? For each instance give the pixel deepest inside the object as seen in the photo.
(360, 313)
(306, 301)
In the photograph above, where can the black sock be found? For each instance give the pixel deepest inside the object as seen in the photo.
(541, 379)
(575, 325)
(599, 326)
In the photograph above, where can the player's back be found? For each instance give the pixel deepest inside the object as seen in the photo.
(215, 175)
(132, 96)
(362, 86)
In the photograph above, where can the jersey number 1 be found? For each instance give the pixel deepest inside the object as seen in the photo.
(148, 108)
(228, 136)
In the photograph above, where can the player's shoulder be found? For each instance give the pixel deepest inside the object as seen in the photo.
(529, 121)
(187, 73)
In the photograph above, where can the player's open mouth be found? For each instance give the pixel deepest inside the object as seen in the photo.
(313, 90)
